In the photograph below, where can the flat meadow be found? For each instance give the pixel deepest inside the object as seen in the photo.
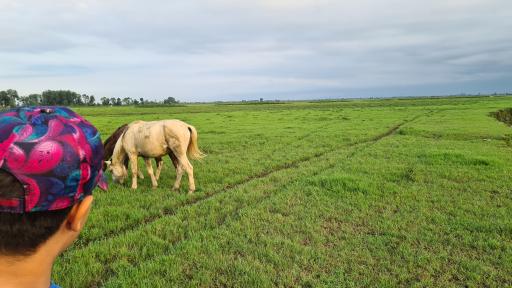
(359, 193)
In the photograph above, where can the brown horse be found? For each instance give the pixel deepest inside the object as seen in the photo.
(110, 143)
(153, 140)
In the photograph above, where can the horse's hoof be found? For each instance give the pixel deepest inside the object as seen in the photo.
(175, 189)
(190, 192)
(154, 187)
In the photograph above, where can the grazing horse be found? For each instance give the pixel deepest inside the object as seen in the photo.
(152, 140)
(109, 145)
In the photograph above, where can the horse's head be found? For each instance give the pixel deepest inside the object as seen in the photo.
(118, 171)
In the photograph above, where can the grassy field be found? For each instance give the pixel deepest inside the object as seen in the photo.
(361, 193)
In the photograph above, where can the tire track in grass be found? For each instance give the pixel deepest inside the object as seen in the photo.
(211, 217)
(107, 271)
(166, 212)
(110, 274)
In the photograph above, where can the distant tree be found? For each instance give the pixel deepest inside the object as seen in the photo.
(112, 101)
(60, 97)
(91, 100)
(85, 99)
(4, 100)
(170, 100)
(141, 101)
(135, 102)
(127, 101)
(8, 98)
(78, 100)
(13, 96)
(105, 101)
(118, 102)
(31, 100)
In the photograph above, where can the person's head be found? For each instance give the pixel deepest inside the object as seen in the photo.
(50, 161)
(24, 233)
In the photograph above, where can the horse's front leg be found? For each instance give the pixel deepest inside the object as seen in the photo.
(127, 162)
(133, 165)
(159, 165)
(149, 166)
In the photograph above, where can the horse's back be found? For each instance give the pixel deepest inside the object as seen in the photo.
(174, 123)
(166, 122)
(150, 138)
(177, 130)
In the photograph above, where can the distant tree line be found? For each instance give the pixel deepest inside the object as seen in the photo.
(10, 98)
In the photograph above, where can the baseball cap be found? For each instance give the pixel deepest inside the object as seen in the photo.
(54, 153)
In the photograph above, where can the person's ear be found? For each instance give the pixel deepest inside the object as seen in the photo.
(78, 214)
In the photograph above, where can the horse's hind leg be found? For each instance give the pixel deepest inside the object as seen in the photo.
(174, 159)
(190, 172)
(179, 170)
(179, 174)
(185, 165)
(159, 165)
(180, 152)
(149, 166)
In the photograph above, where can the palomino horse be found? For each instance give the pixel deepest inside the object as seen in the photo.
(110, 144)
(155, 139)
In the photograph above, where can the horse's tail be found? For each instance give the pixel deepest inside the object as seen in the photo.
(192, 149)
(110, 143)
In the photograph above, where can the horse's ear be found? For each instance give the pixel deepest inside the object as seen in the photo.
(109, 165)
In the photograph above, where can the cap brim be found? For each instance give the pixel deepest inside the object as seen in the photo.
(102, 181)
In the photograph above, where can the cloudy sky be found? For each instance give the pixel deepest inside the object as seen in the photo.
(274, 49)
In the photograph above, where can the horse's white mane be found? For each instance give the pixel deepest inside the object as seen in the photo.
(119, 153)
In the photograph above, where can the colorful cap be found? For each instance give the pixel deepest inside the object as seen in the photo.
(56, 155)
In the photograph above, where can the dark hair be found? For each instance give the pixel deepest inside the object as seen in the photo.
(22, 233)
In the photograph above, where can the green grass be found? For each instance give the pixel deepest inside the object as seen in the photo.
(400, 192)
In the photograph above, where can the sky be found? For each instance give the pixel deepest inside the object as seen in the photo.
(224, 50)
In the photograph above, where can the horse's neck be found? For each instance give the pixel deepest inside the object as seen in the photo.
(119, 154)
